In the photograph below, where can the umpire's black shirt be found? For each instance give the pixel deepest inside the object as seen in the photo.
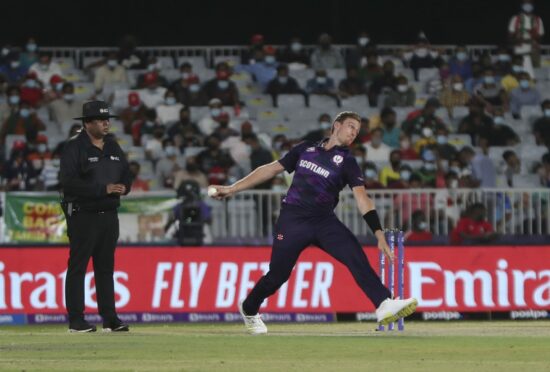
(86, 170)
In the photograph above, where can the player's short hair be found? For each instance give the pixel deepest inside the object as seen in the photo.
(341, 117)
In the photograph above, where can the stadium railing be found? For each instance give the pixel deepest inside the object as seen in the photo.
(250, 215)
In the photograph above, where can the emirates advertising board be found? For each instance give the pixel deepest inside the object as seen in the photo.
(165, 284)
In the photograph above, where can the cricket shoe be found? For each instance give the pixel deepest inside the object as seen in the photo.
(253, 323)
(115, 325)
(391, 310)
(81, 326)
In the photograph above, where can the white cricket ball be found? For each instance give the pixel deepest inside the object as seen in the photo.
(212, 191)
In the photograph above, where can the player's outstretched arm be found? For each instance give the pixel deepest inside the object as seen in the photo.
(257, 176)
(367, 208)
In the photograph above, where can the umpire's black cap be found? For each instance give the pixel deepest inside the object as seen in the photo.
(95, 110)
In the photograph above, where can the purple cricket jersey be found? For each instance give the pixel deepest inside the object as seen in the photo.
(319, 175)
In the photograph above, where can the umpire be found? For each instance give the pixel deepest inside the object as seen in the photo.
(94, 173)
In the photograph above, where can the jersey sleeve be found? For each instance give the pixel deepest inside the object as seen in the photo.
(352, 173)
(290, 160)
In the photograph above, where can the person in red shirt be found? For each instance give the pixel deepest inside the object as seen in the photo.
(32, 90)
(138, 184)
(420, 229)
(473, 227)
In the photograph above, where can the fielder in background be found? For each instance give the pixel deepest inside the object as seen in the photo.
(307, 217)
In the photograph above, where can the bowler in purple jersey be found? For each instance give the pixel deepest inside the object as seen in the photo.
(321, 171)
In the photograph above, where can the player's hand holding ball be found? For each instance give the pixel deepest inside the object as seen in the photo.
(220, 192)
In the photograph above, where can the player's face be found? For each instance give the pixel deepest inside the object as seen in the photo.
(347, 131)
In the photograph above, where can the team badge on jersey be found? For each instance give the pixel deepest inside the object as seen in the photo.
(337, 159)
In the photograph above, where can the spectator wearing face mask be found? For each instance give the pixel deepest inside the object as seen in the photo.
(326, 56)
(489, 92)
(405, 173)
(352, 84)
(214, 161)
(54, 89)
(360, 155)
(525, 94)
(22, 122)
(541, 126)
(419, 231)
(454, 95)
(221, 87)
(503, 63)
(30, 54)
(425, 117)
(168, 164)
(264, 69)
(377, 150)
(190, 94)
(403, 95)
(316, 135)
(384, 83)
(191, 172)
(111, 72)
(153, 94)
(142, 129)
(525, 31)
(372, 70)
(501, 134)
(390, 174)
(294, 54)
(11, 103)
(444, 149)
(422, 55)
(371, 177)
(45, 68)
(405, 148)
(207, 124)
(31, 90)
(258, 156)
(473, 227)
(323, 85)
(65, 108)
(461, 64)
(428, 170)
(510, 81)
(357, 57)
(11, 70)
(153, 66)
(284, 84)
(168, 112)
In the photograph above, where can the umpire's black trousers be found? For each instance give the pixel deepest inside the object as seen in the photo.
(91, 234)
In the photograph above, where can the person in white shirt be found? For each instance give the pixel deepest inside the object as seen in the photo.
(525, 31)
(207, 124)
(377, 151)
(45, 69)
(110, 73)
(168, 112)
(152, 95)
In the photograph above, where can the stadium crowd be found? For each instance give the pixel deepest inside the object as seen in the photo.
(432, 118)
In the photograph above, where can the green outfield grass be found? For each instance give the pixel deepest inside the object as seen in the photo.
(458, 346)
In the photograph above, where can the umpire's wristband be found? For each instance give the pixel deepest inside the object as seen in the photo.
(371, 218)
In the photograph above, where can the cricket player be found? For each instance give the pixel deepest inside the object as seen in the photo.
(307, 218)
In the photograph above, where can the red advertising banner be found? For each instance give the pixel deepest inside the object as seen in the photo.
(213, 279)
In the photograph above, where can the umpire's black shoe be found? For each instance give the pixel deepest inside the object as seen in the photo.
(81, 326)
(115, 325)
